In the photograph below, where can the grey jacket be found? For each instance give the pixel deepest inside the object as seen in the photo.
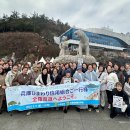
(79, 76)
(102, 77)
(9, 78)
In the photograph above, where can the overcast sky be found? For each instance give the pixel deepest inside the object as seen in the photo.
(79, 13)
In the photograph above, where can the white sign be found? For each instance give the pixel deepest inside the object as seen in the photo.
(25, 97)
(117, 101)
(67, 80)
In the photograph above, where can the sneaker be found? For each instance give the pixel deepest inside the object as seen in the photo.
(89, 109)
(97, 110)
(109, 106)
(28, 113)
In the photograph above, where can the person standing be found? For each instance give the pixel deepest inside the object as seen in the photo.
(79, 76)
(11, 75)
(34, 74)
(84, 67)
(102, 76)
(122, 69)
(94, 65)
(73, 69)
(67, 79)
(127, 87)
(112, 79)
(6, 68)
(2, 88)
(58, 67)
(44, 78)
(22, 79)
(91, 75)
(127, 68)
(55, 77)
(119, 73)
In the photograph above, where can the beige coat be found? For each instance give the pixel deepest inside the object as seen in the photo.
(2, 83)
(9, 78)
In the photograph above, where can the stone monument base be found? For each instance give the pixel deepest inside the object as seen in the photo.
(70, 58)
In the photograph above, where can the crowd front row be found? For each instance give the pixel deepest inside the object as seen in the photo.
(114, 80)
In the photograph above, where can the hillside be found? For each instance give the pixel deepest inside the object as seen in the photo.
(27, 35)
(25, 43)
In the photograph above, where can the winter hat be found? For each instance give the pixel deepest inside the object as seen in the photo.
(79, 67)
(67, 71)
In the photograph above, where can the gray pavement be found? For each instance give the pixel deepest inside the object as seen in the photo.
(57, 120)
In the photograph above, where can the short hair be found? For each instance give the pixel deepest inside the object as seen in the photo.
(127, 78)
(89, 65)
(108, 66)
(14, 65)
(117, 64)
(26, 64)
(118, 84)
(10, 60)
(94, 64)
(55, 69)
(44, 68)
(102, 66)
(24, 68)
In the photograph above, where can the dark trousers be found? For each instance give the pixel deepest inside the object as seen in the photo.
(109, 96)
(1, 100)
(128, 111)
(115, 111)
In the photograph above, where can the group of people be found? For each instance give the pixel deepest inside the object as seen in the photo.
(114, 80)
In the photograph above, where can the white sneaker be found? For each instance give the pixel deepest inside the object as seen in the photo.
(97, 110)
(109, 106)
(28, 113)
(89, 109)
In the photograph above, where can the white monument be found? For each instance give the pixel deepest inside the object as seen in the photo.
(63, 46)
(83, 50)
(84, 42)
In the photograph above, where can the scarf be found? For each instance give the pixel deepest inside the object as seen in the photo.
(100, 75)
(44, 78)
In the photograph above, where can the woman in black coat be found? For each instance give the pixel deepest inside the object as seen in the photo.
(55, 77)
(118, 91)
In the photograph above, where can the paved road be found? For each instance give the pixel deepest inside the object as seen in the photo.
(57, 120)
